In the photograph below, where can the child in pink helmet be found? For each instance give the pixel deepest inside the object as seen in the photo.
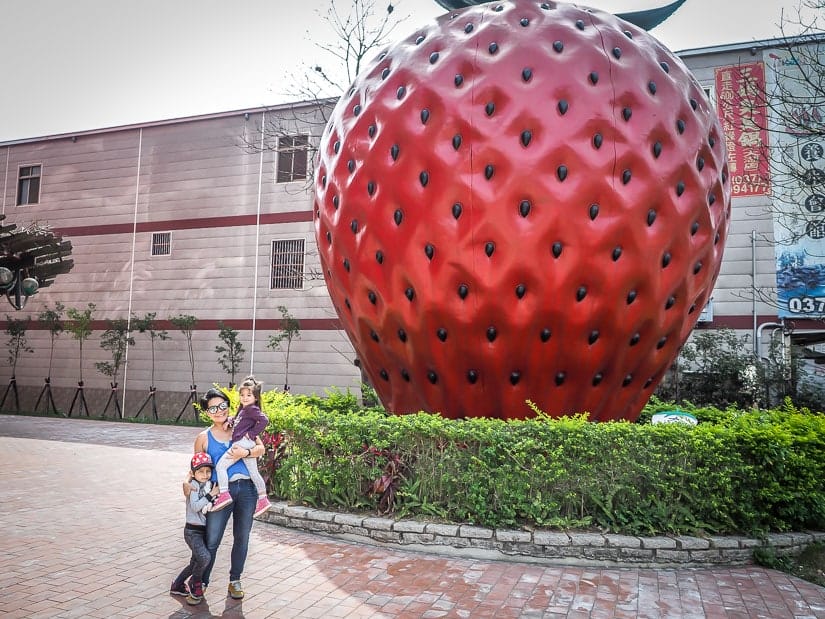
(246, 426)
(198, 503)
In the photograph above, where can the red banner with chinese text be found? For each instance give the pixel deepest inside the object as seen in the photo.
(740, 101)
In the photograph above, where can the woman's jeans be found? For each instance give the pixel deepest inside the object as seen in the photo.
(244, 496)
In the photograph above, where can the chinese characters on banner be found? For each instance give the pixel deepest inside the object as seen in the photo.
(798, 197)
(740, 100)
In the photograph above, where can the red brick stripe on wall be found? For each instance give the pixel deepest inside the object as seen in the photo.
(267, 324)
(186, 224)
(745, 322)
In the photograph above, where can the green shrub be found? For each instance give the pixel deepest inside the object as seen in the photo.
(735, 472)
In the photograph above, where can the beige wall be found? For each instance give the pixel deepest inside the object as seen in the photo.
(109, 191)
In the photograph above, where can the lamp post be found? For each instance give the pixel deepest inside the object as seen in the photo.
(17, 286)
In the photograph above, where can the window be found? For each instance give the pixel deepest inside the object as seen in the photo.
(28, 185)
(161, 243)
(293, 155)
(287, 264)
(710, 93)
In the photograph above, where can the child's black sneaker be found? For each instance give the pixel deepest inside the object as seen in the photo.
(179, 589)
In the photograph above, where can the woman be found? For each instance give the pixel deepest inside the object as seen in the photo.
(215, 441)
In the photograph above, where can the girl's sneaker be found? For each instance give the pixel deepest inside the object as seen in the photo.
(262, 505)
(221, 501)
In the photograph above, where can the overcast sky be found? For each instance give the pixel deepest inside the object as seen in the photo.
(74, 65)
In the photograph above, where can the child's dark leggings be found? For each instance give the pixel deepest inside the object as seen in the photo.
(195, 537)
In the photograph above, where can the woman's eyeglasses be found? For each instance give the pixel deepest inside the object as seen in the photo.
(219, 407)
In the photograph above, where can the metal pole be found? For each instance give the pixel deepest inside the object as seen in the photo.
(753, 278)
(758, 340)
(257, 249)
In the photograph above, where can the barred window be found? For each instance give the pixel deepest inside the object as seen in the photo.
(161, 243)
(710, 93)
(287, 264)
(28, 185)
(293, 156)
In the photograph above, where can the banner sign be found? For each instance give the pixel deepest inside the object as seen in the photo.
(798, 198)
(740, 99)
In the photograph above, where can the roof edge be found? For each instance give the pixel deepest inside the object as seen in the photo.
(755, 44)
(171, 121)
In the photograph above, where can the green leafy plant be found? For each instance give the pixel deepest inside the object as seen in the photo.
(115, 339)
(52, 319)
(742, 471)
(148, 325)
(185, 323)
(714, 367)
(282, 340)
(81, 329)
(17, 344)
(230, 352)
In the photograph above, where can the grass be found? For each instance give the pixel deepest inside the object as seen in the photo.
(808, 565)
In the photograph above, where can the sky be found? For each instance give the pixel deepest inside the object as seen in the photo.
(77, 65)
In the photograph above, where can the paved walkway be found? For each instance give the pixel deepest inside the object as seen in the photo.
(91, 521)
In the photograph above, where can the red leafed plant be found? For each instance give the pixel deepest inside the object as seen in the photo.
(270, 462)
(386, 486)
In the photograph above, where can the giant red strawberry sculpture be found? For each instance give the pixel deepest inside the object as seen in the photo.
(524, 200)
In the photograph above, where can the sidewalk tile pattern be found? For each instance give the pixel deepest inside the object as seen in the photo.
(92, 526)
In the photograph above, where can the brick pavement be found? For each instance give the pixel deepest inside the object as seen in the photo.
(92, 527)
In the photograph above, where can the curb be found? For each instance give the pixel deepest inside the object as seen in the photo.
(539, 546)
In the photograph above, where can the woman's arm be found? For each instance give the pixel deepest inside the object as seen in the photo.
(256, 452)
(200, 442)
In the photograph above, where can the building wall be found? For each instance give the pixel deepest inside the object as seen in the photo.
(749, 259)
(749, 249)
(108, 192)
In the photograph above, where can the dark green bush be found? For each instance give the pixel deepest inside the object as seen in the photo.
(735, 472)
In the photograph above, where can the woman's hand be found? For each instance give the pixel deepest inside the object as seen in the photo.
(237, 452)
(187, 488)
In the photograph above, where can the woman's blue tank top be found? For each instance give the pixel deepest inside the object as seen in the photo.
(216, 449)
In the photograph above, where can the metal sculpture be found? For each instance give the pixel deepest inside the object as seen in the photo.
(646, 19)
(30, 259)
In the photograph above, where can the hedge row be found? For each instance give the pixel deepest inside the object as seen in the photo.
(746, 472)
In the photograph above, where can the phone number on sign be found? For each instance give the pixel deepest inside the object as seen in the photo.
(748, 183)
(806, 305)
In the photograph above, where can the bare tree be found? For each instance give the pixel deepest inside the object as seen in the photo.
(358, 29)
(290, 132)
(795, 102)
